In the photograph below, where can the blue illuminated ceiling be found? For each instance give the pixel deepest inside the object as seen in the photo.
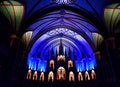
(71, 23)
(93, 6)
(63, 18)
(42, 48)
(91, 9)
(75, 40)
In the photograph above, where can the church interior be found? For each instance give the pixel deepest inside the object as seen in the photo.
(59, 43)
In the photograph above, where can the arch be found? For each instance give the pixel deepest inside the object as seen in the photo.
(42, 76)
(43, 33)
(52, 64)
(61, 73)
(93, 75)
(55, 39)
(29, 75)
(71, 76)
(55, 44)
(85, 13)
(80, 76)
(83, 32)
(70, 64)
(35, 75)
(50, 76)
(87, 76)
(87, 53)
(81, 44)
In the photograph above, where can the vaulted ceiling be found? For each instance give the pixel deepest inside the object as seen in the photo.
(41, 24)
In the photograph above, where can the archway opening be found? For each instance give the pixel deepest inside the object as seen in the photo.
(61, 73)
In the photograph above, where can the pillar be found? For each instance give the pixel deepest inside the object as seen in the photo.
(111, 42)
(98, 55)
(13, 37)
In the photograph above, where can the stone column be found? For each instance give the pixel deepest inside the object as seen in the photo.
(111, 42)
(13, 37)
(98, 55)
(15, 49)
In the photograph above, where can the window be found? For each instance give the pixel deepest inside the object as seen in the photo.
(51, 64)
(50, 76)
(61, 73)
(87, 76)
(70, 64)
(93, 75)
(29, 74)
(42, 76)
(80, 77)
(71, 76)
(35, 75)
